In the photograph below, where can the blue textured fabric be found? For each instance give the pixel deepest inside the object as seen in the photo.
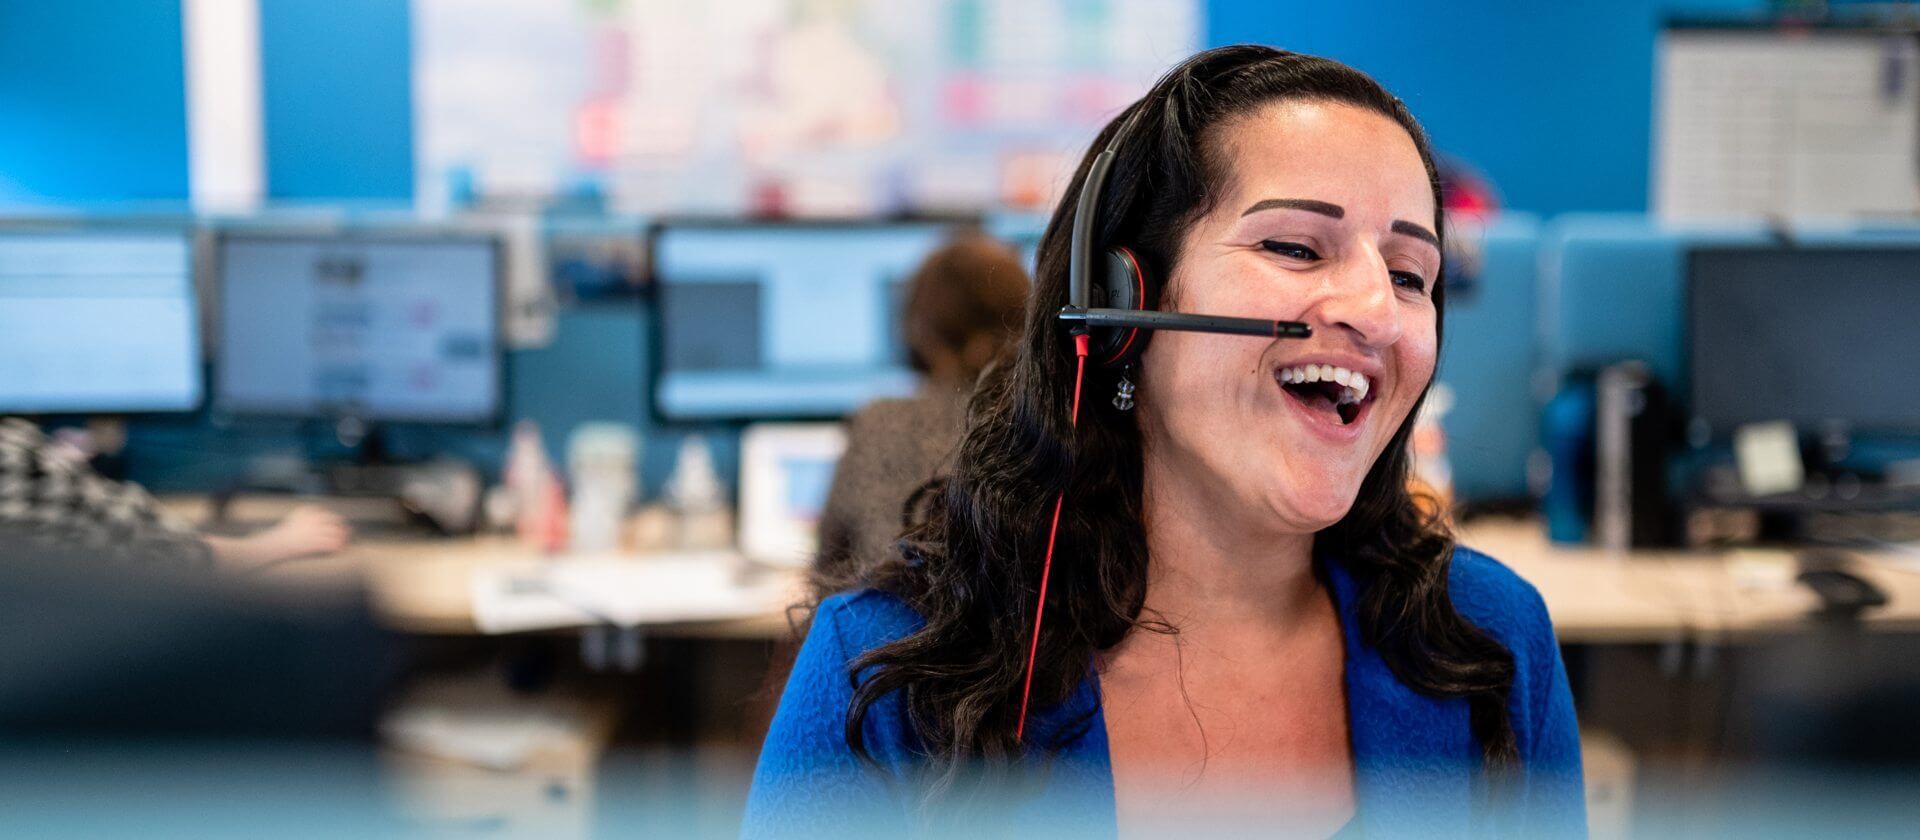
(1417, 766)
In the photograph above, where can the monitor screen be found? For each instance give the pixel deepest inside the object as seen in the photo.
(1810, 335)
(1022, 232)
(786, 472)
(98, 322)
(758, 321)
(380, 328)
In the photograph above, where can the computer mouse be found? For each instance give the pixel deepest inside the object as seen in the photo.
(1842, 593)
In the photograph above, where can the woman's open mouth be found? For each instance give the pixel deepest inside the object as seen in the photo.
(1341, 395)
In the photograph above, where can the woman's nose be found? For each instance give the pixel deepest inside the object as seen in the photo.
(1358, 297)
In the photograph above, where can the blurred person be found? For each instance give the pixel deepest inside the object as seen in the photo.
(964, 306)
(1251, 624)
(51, 499)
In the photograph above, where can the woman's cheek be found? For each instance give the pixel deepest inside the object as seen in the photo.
(1418, 352)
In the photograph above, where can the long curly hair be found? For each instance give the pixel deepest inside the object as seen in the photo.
(969, 560)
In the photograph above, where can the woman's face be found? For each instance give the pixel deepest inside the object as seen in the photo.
(1326, 217)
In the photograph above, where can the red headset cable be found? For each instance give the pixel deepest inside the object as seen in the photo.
(1053, 531)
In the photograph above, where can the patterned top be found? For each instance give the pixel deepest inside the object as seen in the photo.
(53, 504)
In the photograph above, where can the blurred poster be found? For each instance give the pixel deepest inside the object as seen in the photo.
(808, 107)
(1799, 124)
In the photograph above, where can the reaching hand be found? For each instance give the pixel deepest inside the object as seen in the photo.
(308, 531)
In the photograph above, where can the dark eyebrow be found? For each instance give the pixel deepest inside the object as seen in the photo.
(1307, 204)
(1417, 232)
(1335, 211)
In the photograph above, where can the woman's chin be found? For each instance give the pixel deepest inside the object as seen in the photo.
(1314, 508)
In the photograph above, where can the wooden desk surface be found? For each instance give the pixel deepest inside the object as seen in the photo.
(423, 585)
(1653, 596)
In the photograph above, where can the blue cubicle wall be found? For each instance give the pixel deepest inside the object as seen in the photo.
(1486, 360)
(1612, 289)
(1613, 286)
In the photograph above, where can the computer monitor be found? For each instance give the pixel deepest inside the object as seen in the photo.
(758, 321)
(98, 321)
(786, 471)
(1022, 233)
(1812, 335)
(373, 326)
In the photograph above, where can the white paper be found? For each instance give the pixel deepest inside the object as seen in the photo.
(622, 591)
(1768, 456)
(497, 739)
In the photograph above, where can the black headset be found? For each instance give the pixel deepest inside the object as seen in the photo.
(1109, 298)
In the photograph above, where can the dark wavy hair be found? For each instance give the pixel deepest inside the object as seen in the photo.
(969, 562)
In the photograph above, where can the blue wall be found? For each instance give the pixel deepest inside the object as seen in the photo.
(93, 104)
(337, 79)
(1552, 100)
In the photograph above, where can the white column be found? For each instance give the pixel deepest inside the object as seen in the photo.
(226, 168)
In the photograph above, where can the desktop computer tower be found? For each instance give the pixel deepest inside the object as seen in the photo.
(1635, 428)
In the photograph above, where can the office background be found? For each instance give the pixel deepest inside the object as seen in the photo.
(335, 119)
(1552, 103)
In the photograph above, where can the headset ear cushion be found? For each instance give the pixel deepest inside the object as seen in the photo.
(1121, 281)
(1122, 285)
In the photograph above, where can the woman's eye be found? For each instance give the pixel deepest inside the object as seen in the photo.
(1409, 280)
(1290, 249)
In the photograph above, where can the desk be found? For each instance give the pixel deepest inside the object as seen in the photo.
(1597, 596)
(424, 585)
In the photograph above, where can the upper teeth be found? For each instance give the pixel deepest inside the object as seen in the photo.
(1356, 383)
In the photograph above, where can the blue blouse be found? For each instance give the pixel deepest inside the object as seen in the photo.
(1417, 766)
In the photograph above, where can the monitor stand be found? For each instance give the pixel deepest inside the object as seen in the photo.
(362, 465)
(371, 469)
(445, 491)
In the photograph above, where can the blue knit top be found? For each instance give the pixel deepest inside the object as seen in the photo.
(1417, 765)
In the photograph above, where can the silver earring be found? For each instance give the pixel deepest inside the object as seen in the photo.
(1123, 397)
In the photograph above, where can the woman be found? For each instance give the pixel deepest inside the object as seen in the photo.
(1249, 620)
(964, 307)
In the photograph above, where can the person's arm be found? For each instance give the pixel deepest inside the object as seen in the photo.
(809, 782)
(50, 495)
(306, 532)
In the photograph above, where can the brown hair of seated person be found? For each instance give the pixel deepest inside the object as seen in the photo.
(964, 304)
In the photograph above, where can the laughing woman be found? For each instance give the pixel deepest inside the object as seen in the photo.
(1250, 623)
